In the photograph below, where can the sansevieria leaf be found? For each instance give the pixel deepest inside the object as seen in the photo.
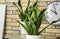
(34, 14)
(29, 26)
(24, 26)
(47, 26)
(20, 17)
(35, 3)
(32, 25)
(16, 6)
(39, 19)
(31, 18)
(26, 11)
(20, 5)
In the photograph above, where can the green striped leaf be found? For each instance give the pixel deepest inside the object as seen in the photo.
(32, 25)
(47, 26)
(24, 26)
(39, 19)
(20, 5)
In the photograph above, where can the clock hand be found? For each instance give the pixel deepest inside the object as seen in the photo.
(55, 9)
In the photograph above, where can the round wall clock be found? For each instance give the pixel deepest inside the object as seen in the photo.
(53, 12)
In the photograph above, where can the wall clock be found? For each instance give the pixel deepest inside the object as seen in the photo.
(53, 12)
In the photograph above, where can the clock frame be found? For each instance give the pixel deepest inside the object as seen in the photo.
(53, 12)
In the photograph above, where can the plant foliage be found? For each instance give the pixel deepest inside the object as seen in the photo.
(31, 17)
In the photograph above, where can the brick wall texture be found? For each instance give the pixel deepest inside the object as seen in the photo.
(12, 27)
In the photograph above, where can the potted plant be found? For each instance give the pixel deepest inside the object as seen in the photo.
(29, 11)
(31, 19)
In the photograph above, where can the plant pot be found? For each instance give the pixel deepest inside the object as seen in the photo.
(23, 31)
(34, 37)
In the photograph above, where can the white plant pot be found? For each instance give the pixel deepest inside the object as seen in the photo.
(34, 37)
(23, 31)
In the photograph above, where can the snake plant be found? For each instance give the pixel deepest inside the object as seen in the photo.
(31, 17)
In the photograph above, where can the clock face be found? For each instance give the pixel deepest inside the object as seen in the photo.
(53, 12)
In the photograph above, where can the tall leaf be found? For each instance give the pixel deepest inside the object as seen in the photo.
(30, 11)
(29, 26)
(20, 5)
(47, 26)
(32, 25)
(39, 19)
(28, 3)
(26, 11)
(24, 26)
(16, 6)
(35, 3)
(34, 14)
(20, 17)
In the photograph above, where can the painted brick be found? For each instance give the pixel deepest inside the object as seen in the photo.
(15, 28)
(44, 25)
(40, 8)
(12, 8)
(24, 4)
(49, 37)
(57, 35)
(53, 30)
(8, 28)
(11, 0)
(15, 16)
(9, 4)
(9, 16)
(2, 1)
(25, 1)
(12, 24)
(8, 23)
(41, 4)
(24, 8)
(14, 20)
(15, 32)
(58, 27)
(6, 36)
(15, 24)
(9, 12)
(49, 34)
(8, 20)
(15, 12)
(9, 31)
(47, 0)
